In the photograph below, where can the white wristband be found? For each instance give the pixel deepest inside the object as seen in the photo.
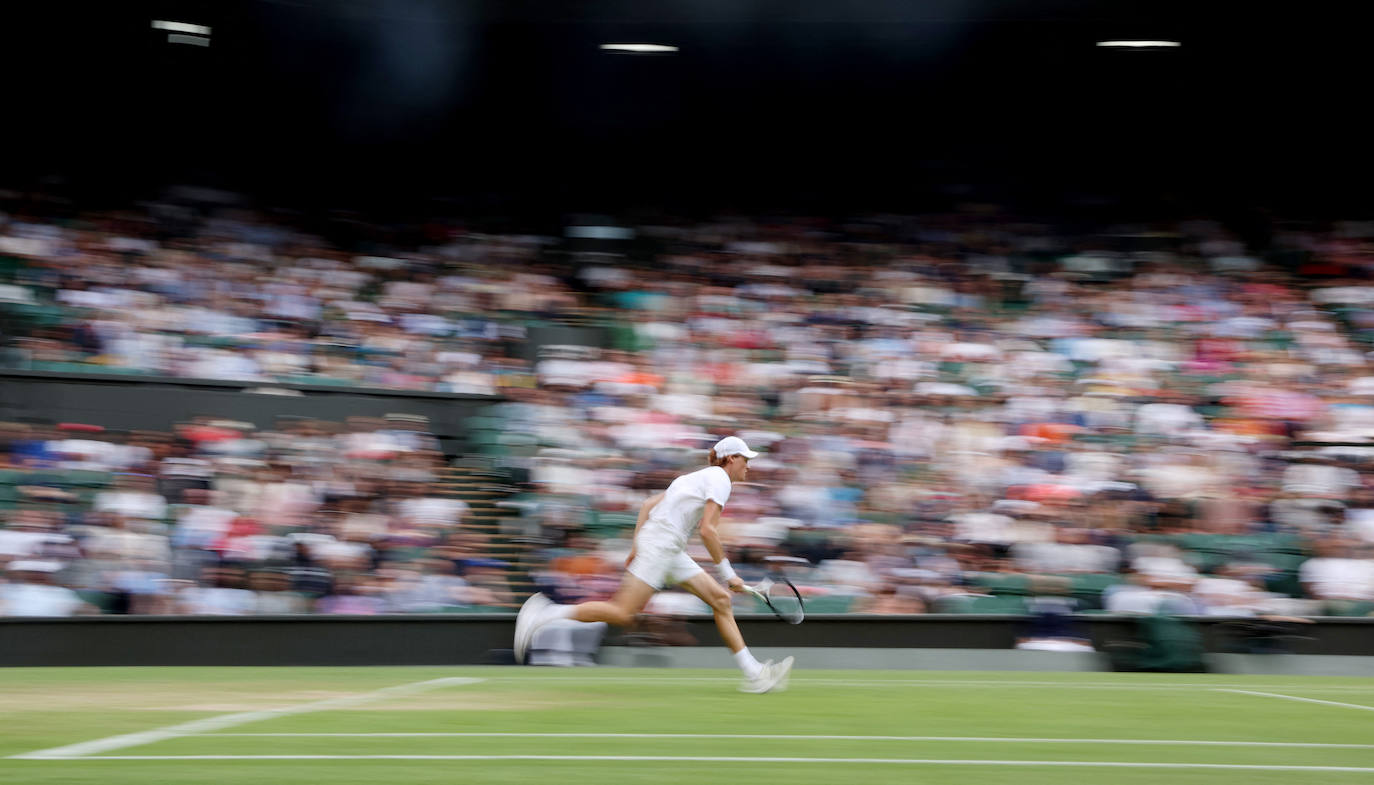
(727, 573)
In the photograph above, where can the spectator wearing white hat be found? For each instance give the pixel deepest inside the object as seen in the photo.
(32, 590)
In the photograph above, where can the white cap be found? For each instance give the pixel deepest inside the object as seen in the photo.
(733, 445)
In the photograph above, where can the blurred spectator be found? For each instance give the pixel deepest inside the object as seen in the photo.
(1339, 578)
(943, 398)
(891, 598)
(220, 592)
(1236, 592)
(1051, 628)
(272, 590)
(353, 594)
(133, 497)
(30, 589)
(1145, 594)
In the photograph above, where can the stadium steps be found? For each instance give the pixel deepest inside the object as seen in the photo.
(483, 490)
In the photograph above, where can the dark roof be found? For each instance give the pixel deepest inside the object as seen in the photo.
(875, 94)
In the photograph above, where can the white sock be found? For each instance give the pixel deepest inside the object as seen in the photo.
(747, 663)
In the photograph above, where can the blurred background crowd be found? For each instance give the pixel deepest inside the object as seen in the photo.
(972, 412)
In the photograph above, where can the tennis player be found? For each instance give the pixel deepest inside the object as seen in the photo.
(659, 559)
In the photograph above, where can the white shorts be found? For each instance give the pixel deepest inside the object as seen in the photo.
(662, 565)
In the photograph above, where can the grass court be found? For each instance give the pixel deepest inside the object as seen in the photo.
(335, 726)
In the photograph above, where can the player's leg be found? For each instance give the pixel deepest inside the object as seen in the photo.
(710, 591)
(649, 572)
(621, 609)
(759, 676)
(641, 580)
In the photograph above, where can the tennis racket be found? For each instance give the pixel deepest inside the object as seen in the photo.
(781, 597)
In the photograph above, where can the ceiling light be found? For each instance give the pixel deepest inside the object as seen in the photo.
(639, 48)
(1139, 44)
(192, 40)
(181, 27)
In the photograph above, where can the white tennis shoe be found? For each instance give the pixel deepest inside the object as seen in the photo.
(529, 619)
(786, 667)
(773, 678)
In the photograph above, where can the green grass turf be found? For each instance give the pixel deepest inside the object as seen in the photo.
(47, 708)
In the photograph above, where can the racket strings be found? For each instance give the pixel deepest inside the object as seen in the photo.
(785, 601)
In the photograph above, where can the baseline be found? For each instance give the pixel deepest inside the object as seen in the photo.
(718, 759)
(801, 737)
(802, 679)
(82, 749)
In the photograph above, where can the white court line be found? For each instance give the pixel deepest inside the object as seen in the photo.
(806, 737)
(74, 751)
(801, 679)
(715, 759)
(808, 678)
(1296, 698)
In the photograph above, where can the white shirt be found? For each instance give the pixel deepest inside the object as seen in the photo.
(1065, 557)
(278, 602)
(981, 527)
(209, 600)
(1140, 599)
(132, 504)
(1317, 480)
(1167, 567)
(1359, 523)
(1339, 579)
(1169, 419)
(96, 455)
(433, 511)
(32, 599)
(201, 525)
(674, 519)
(20, 544)
(846, 574)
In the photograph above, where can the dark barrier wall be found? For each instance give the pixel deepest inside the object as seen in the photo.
(155, 403)
(457, 640)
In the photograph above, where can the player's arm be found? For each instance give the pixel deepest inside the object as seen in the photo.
(648, 507)
(710, 537)
(644, 510)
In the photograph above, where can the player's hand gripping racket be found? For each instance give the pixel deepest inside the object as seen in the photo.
(781, 597)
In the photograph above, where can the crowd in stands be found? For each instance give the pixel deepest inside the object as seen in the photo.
(959, 413)
(218, 517)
